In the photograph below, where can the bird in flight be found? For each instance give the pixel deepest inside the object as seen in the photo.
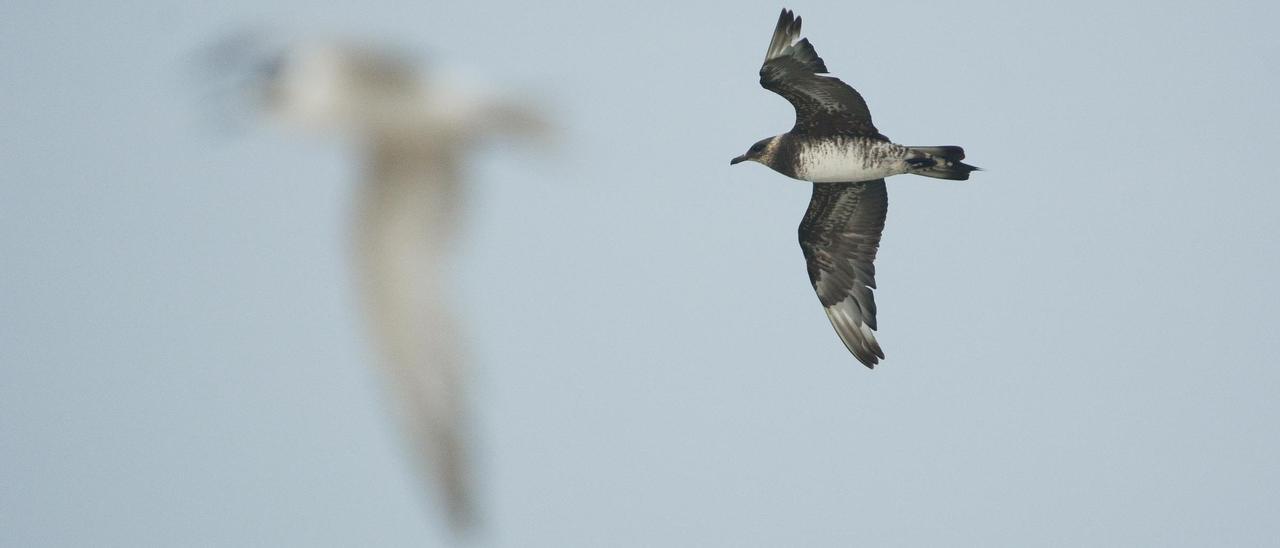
(414, 131)
(835, 146)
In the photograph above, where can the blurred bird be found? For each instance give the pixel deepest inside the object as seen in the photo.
(835, 146)
(414, 133)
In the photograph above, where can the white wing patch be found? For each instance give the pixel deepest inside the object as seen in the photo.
(847, 318)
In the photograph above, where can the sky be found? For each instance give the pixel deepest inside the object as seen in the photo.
(1080, 340)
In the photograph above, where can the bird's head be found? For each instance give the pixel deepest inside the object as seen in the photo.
(323, 85)
(760, 152)
(329, 85)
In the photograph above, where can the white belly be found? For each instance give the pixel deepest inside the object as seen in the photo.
(850, 161)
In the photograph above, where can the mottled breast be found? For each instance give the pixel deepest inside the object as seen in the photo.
(848, 159)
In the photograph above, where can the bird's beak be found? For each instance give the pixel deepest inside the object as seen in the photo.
(742, 158)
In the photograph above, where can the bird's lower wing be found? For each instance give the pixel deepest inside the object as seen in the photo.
(405, 219)
(839, 235)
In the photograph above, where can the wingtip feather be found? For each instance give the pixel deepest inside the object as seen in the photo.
(784, 33)
(784, 43)
(857, 336)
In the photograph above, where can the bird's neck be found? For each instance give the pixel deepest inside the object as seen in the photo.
(780, 155)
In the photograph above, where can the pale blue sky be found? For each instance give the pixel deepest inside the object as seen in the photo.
(1081, 341)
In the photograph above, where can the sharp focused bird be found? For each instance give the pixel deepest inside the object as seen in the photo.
(835, 146)
(414, 133)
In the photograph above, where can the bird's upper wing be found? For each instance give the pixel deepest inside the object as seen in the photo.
(824, 105)
(840, 234)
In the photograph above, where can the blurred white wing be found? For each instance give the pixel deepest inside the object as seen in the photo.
(406, 217)
(416, 134)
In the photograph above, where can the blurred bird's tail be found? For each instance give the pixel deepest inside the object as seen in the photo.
(942, 162)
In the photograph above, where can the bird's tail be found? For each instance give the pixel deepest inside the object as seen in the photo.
(942, 162)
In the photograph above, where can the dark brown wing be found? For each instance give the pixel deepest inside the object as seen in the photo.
(839, 235)
(824, 105)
